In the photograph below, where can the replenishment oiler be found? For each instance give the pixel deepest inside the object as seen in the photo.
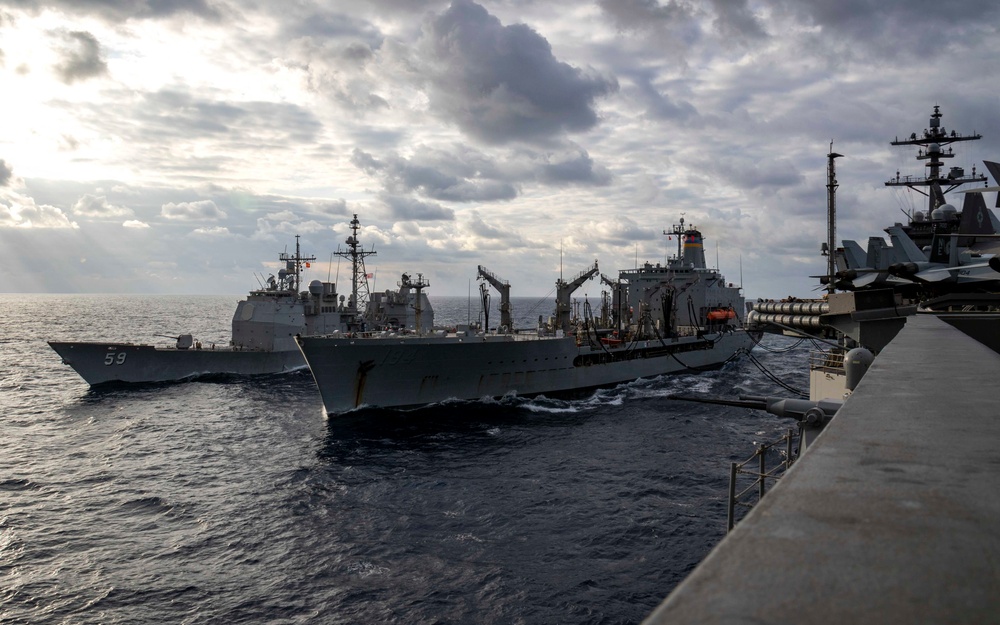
(263, 328)
(657, 320)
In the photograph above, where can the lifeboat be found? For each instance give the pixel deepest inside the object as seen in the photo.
(612, 340)
(721, 314)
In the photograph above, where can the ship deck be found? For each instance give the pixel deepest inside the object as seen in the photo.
(891, 514)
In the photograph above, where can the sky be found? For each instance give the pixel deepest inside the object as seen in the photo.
(178, 146)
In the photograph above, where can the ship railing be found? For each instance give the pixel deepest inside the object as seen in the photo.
(826, 360)
(755, 491)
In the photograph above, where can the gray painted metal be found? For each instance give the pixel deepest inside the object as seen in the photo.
(889, 517)
(413, 371)
(264, 327)
(103, 363)
(664, 319)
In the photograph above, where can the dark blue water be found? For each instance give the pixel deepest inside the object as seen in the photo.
(240, 501)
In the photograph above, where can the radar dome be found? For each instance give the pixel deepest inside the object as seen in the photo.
(316, 287)
(933, 148)
(281, 274)
(945, 211)
(918, 216)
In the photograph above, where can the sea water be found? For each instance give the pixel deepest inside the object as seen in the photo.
(240, 501)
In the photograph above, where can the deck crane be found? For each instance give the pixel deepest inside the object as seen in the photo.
(506, 322)
(611, 310)
(564, 290)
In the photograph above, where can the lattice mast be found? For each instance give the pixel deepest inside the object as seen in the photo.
(360, 293)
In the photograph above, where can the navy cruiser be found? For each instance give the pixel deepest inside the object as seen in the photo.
(263, 329)
(655, 320)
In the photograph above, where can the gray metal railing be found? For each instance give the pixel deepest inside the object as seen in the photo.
(760, 475)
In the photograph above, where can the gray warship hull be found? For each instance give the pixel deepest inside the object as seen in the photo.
(263, 329)
(414, 371)
(124, 363)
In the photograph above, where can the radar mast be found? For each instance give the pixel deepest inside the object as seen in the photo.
(293, 266)
(932, 143)
(360, 293)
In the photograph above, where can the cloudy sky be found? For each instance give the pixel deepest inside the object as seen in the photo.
(177, 146)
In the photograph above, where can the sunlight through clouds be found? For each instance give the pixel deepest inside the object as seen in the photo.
(149, 135)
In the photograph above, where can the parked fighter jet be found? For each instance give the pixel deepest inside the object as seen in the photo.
(859, 269)
(960, 259)
(967, 258)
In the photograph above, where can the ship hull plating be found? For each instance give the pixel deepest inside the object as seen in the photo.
(405, 372)
(123, 363)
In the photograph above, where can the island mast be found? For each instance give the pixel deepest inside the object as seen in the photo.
(932, 143)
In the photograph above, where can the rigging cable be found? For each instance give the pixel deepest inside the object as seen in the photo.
(773, 350)
(774, 378)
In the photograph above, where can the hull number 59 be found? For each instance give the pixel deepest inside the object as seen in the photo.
(112, 358)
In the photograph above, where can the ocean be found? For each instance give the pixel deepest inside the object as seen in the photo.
(240, 501)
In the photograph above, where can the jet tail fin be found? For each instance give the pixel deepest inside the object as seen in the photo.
(904, 246)
(975, 219)
(854, 255)
(879, 254)
(940, 249)
(995, 172)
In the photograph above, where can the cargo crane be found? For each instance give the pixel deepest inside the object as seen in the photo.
(506, 322)
(564, 290)
(611, 310)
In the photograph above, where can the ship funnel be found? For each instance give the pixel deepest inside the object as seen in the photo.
(694, 251)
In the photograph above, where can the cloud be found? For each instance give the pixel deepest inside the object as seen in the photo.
(453, 127)
(6, 173)
(340, 69)
(439, 175)
(285, 215)
(680, 25)
(98, 206)
(193, 211)
(621, 230)
(120, 10)
(213, 231)
(673, 27)
(659, 104)
(286, 222)
(502, 83)
(198, 136)
(487, 236)
(572, 167)
(81, 58)
(900, 25)
(22, 212)
(752, 173)
(463, 174)
(409, 209)
(735, 22)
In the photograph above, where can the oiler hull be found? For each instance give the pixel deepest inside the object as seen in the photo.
(410, 372)
(123, 363)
